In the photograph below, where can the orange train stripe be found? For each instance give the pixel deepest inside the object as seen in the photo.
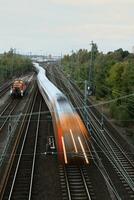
(60, 147)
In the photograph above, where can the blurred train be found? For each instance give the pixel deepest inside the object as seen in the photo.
(71, 136)
(18, 88)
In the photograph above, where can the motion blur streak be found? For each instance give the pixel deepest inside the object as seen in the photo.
(67, 124)
(83, 150)
(73, 141)
(64, 150)
(60, 147)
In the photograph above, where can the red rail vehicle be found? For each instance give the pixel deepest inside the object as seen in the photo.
(18, 88)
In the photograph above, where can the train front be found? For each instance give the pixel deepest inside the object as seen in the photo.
(18, 88)
(73, 138)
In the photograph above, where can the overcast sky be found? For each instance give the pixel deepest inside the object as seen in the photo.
(60, 26)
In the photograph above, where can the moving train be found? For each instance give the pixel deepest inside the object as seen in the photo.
(18, 88)
(71, 136)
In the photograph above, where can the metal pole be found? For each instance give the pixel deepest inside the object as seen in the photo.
(85, 101)
(102, 120)
(87, 119)
(91, 70)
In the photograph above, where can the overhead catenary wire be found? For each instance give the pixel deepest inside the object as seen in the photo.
(102, 103)
(80, 107)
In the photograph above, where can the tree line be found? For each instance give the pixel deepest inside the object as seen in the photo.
(112, 78)
(12, 65)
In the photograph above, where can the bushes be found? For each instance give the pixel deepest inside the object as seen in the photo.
(113, 77)
(12, 64)
(120, 114)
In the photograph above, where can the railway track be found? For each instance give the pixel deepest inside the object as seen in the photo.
(121, 161)
(28, 162)
(7, 112)
(92, 169)
(4, 89)
(75, 183)
(7, 125)
(20, 180)
(115, 157)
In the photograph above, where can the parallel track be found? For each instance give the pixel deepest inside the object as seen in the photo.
(7, 112)
(75, 183)
(29, 163)
(110, 144)
(4, 89)
(19, 184)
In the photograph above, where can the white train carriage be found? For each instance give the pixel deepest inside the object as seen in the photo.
(71, 136)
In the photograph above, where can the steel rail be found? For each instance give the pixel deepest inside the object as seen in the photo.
(109, 150)
(121, 167)
(81, 172)
(111, 188)
(105, 175)
(67, 183)
(80, 100)
(7, 117)
(34, 155)
(17, 167)
(76, 183)
(118, 146)
(8, 141)
(126, 172)
(8, 167)
(106, 148)
(85, 184)
(4, 90)
(6, 107)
